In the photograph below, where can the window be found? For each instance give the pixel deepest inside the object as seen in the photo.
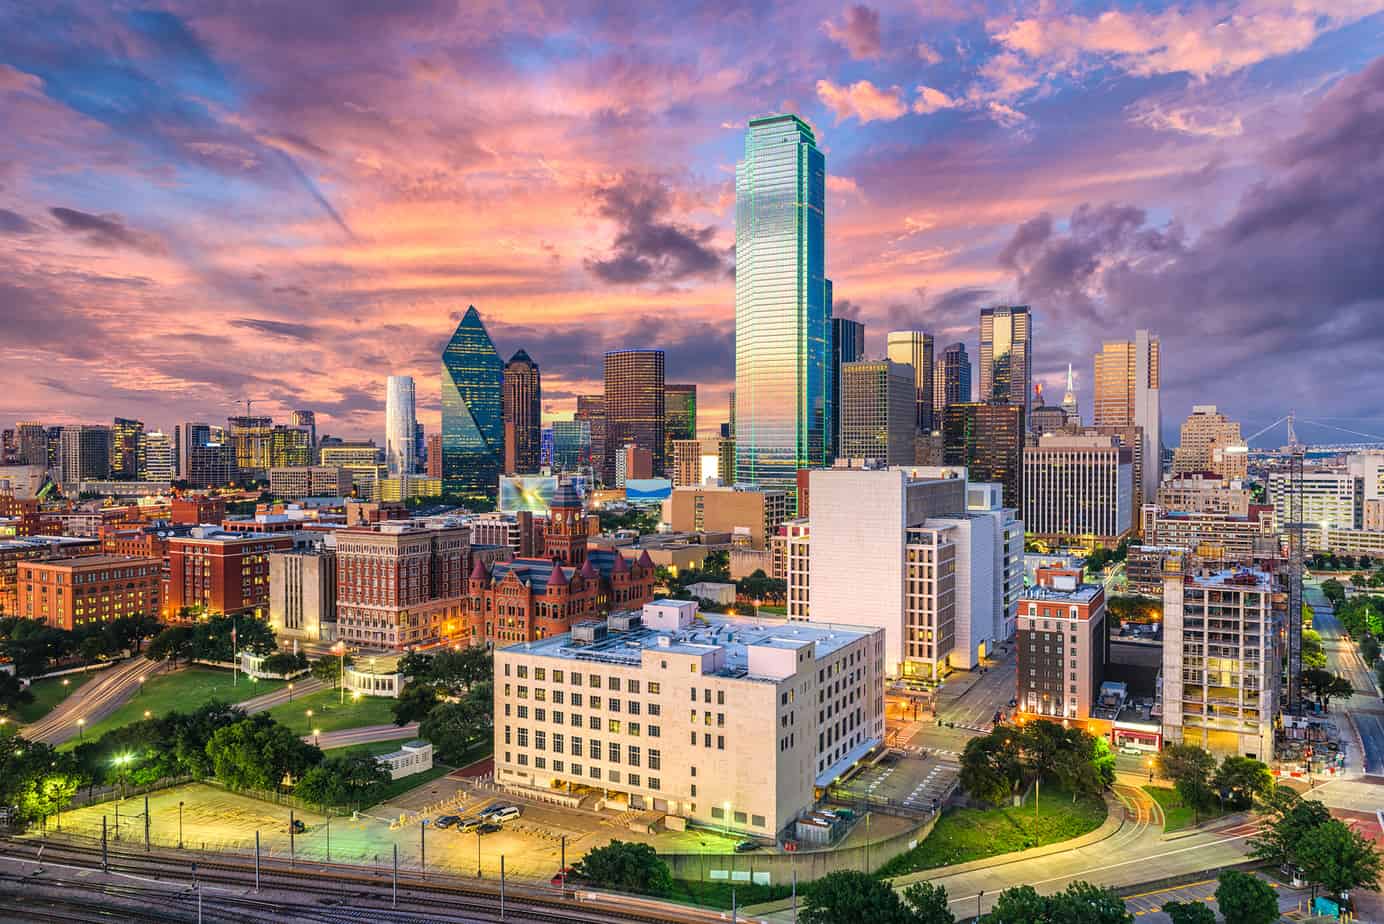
(557, 718)
(632, 779)
(720, 742)
(634, 707)
(557, 742)
(741, 818)
(656, 783)
(576, 747)
(613, 683)
(540, 694)
(593, 680)
(557, 766)
(614, 776)
(720, 697)
(540, 741)
(632, 728)
(656, 759)
(757, 820)
(613, 705)
(632, 756)
(523, 737)
(594, 702)
(523, 760)
(593, 749)
(576, 697)
(654, 731)
(522, 670)
(557, 676)
(655, 687)
(694, 789)
(557, 697)
(655, 709)
(523, 692)
(540, 762)
(595, 773)
(540, 715)
(717, 812)
(540, 673)
(576, 719)
(595, 723)
(613, 726)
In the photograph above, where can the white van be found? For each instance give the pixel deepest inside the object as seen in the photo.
(504, 814)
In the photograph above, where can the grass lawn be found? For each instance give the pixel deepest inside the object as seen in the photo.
(182, 690)
(1177, 816)
(48, 692)
(967, 834)
(330, 714)
(717, 894)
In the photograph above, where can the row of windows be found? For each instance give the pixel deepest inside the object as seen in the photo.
(575, 678)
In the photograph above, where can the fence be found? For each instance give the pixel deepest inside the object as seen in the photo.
(94, 794)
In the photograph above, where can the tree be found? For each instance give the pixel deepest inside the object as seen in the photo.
(1246, 899)
(259, 753)
(1313, 650)
(847, 896)
(1189, 913)
(1080, 903)
(1280, 842)
(415, 701)
(172, 644)
(1338, 858)
(1242, 779)
(283, 663)
(342, 781)
(35, 778)
(990, 767)
(328, 669)
(627, 867)
(928, 903)
(1325, 686)
(1190, 768)
(1019, 905)
(454, 727)
(12, 693)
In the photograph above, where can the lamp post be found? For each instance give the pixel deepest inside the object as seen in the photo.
(148, 714)
(316, 736)
(180, 824)
(341, 650)
(309, 715)
(80, 723)
(140, 691)
(290, 691)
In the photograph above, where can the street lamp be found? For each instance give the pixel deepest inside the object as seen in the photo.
(140, 678)
(148, 714)
(121, 761)
(317, 736)
(80, 723)
(180, 824)
(309, 715)
(290, 692)
(341, 650)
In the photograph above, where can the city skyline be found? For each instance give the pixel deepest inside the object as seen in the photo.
(294, 241)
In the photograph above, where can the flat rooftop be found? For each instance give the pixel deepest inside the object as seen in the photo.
(1083, 593)
(1234, 577)
(94, 561)
(732, 636)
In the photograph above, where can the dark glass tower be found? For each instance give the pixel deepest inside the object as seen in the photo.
(635, 407)
(680, 405)
(847, 346)
(472, 411)
(989, 440)
(523, 415)
(951, 379)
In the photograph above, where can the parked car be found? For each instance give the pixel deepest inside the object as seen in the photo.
(446, 821)
(488, 827)
(746, 846)
(505, 814)
(467, 825)
(494, 809)
(298, 827)
(1131, 750)
(563, 877)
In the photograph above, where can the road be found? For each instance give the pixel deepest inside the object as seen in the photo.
(1364, 709)
(348, 736)
(301, 687)
(968, 701)
(91, 702)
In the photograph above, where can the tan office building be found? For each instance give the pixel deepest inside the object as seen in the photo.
(728, 510)
(1211, 442)
(879, 408)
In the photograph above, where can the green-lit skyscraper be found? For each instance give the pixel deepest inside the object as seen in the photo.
(782, 317)
(473, 430)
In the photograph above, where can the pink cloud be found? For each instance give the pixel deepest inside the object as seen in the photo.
(862, 100)
(858, 31)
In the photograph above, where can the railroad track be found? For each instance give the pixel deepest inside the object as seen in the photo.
(332, 894)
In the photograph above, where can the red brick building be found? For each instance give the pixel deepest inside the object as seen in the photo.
(196, 508)
(219, 572)
(88, 590)
(34, 548)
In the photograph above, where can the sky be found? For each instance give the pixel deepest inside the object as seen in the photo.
(212, 201)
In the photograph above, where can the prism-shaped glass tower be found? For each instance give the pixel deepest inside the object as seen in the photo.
(782, 316)
(473, 429)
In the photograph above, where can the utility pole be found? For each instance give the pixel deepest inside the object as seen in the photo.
(105, 857)
(502, 887)
(423, 848)
(292, 835)
(146, 824)
(257, 860)
(395, 902)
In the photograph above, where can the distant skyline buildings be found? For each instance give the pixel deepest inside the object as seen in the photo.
(951, 379)
(782, 333)
(847, 346)
(523, 414)
(400, 437)
(635, 407)
(914, 348)
(1127, 393)
(1006, 356)
(472, 411)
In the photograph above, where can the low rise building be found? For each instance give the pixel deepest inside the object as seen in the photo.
(725, 509)
(302, 594)
(730, 724)
(375, 675)
(1217, 536)
(722, 594)
(1204, 492)
(413, 757)
(88, 590)
(299, 481)
(35, 548)
(1063, 646)
(211, 570)
(1144, 566)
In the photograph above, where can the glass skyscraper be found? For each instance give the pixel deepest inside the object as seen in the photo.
(1006, 356)
(847, 346)
(782, 318)
(400, 440)
(635, 406)
(472, 411)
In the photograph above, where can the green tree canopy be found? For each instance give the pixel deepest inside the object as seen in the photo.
(259, 753)
(1189, 913)
(1338, 858)
(626, 867)
(1279, 842)
(415, 701)
(1241, 780)
(342, 781)
(928, 903)
(1246, 899)
(848, 897)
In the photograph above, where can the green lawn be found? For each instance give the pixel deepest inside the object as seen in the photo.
(48, 692)
(182, 690)
(1177, 816)
(717, 894)
(967, 834)
(330, 714)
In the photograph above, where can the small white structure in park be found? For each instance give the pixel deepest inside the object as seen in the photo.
(375, 675)
(413, 757)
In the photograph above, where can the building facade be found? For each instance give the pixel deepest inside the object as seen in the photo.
(523, 414)
(913, 348)
(847, 346)
(298, 482)
(1127, 380)
(302, 594)
(879, 410)
(782, 332)
(680, 417)
(1329, 499)
(211, 570)
(88, 590)
(951, 380)
(591, 411)
(1062, 644)
(1211, 443)
(988, 439)
(400, 454)
(733, 725)
(752, 512)
(635, 407)
(1216, 536)
(472, 411)
(127, 449)
(1006, 356)
(1080, 487)
(85, 454)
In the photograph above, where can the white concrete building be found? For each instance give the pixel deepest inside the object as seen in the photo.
(1329, 499)
(1079, 486)
(731, 724)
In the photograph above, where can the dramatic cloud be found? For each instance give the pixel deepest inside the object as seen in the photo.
(650, 247)
(278, 328)
(15, 223)
(863, 100)
(104, 230)
(858, 31)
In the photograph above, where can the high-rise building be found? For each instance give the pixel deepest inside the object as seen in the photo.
(951, 380)
(1063, 645)
(1081, 487)
(1211, 443)
(297, 482)
(523, 415)
(1222, 659)
(420, 447)
(160, 458)
(1006, 356)
(571, 445)
(434, 469)
(1070, 407)
(185, 436)
(1131, 437)
(306, 420)
(591, 409)
(31, 440)
(251, 437)
(878, 412)
(680, 417)
(289, 446)
(782, 334)
(127, 449)
(847, 346)
(1128, 373)
(85, 452)
(399, 583)
(1328, 498)
(400, 439)
(209, 465)
(472, 412)
(635, 409)
(989, 440)
(362, 461)
(913, 348)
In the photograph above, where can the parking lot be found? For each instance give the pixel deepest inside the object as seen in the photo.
(912, 782)
(1146, 907)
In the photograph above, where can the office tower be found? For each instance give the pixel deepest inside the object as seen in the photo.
(751, 770)
(989, 440)
(420, 447)
(878, 412)
(127, 448)
(434, 469)
(685, 465)
(31, 440)
(1131, 437)
(187, 436)
(523, 415)
(1079, 488)
(1223, 536)
(913, 348)
(725, 459)
(782, 334)
(400, 435)
(251, 437)
(289, 446)
(847, 346)
(749, 512)
(306, 420)
(1328, 499)
(571, 446)
(86, 454)
(472, 412)
(160, 459)
(1211, 443)
(1128, 373)
(680, 420)
(1006, 356)
(361, 459)
(635, 409)
(210, 465)
(1222, 659)
(1045, 418)
(951, 380)
(1063, 645)
(591, 408)
(730, 413)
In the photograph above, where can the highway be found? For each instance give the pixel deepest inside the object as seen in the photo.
(301, 687)
(1364, 709)
(348, 736)
(94, 700)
